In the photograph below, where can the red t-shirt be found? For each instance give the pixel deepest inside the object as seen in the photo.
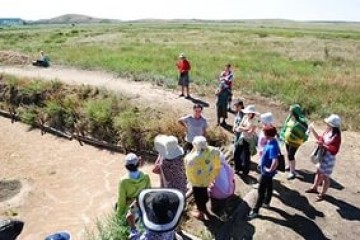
(183, 66)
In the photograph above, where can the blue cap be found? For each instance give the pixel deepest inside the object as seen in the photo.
(59, 236)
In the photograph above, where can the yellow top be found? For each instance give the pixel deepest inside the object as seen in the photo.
(202, 167)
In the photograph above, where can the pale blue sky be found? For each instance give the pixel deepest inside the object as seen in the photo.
(346, 10)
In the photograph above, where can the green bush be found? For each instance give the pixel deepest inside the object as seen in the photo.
(110, 228)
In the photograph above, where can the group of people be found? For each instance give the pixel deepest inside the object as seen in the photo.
(200, 170)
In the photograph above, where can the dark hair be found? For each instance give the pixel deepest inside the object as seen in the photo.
(132, 167)
(228, 65)
(197, 105)
(336, 131)
(270, 131)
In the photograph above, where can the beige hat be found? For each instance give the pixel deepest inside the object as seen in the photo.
(200, 143)
(267, 118)
(333, 120)
(182, 55)
(250, 109)
(168, 147)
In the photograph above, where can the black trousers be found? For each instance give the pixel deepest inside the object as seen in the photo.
(265, 192)
(201, 197)
(291, 152)
(242, 157)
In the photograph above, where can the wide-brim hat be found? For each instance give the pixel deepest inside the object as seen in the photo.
(333, 120)
(63, 235)
(267, 118)
(161, 208)
(168, 147)
(250, 109)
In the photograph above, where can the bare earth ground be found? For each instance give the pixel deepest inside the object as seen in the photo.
(66, 186)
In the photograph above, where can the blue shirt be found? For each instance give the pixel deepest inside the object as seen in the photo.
(271, 151)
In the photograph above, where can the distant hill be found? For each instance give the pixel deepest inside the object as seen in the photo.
(73, 18)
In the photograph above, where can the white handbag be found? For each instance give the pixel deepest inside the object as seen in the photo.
(317, 154)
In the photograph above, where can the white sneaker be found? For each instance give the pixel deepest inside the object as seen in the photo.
(291, 176)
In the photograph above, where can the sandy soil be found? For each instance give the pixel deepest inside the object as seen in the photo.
(67, 186)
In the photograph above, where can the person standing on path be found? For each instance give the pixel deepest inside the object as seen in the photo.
(227, 76)
(330, 142)
(269, 162)
(222, 99)
(202, 166)
(195, 125)
(245, 145)
(184, 67)
(294, 134)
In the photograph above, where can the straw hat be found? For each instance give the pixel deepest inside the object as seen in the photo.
(333, 120)
(168, 147)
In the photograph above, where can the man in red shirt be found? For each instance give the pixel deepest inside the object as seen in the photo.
(184, 67)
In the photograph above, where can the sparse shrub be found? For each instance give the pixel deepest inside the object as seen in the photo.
(216, 137)
(55, 114)
(263, 35)
(128, 125)
(99, 112)
(109, 228)
(29, 115)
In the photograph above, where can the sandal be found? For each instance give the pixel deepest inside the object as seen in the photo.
(312, 190)
(319, 198)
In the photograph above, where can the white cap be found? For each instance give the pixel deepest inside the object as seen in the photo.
(131, 159)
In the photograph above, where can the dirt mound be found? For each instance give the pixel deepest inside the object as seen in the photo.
(14, 58)
(8, 189)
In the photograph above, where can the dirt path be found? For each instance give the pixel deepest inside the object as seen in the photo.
(68, 185)
(138, 91)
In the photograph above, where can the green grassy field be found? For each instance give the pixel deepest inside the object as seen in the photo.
(314, 64)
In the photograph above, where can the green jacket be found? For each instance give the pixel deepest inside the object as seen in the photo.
(294, 133)
(129, 189)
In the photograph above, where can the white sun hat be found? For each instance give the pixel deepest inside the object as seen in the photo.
(250, 109)
(168, 147)
(333, 120)
(200, 143)
(267, 118)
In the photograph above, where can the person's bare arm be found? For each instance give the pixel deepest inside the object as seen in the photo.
(312, 129)
(181, 122)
